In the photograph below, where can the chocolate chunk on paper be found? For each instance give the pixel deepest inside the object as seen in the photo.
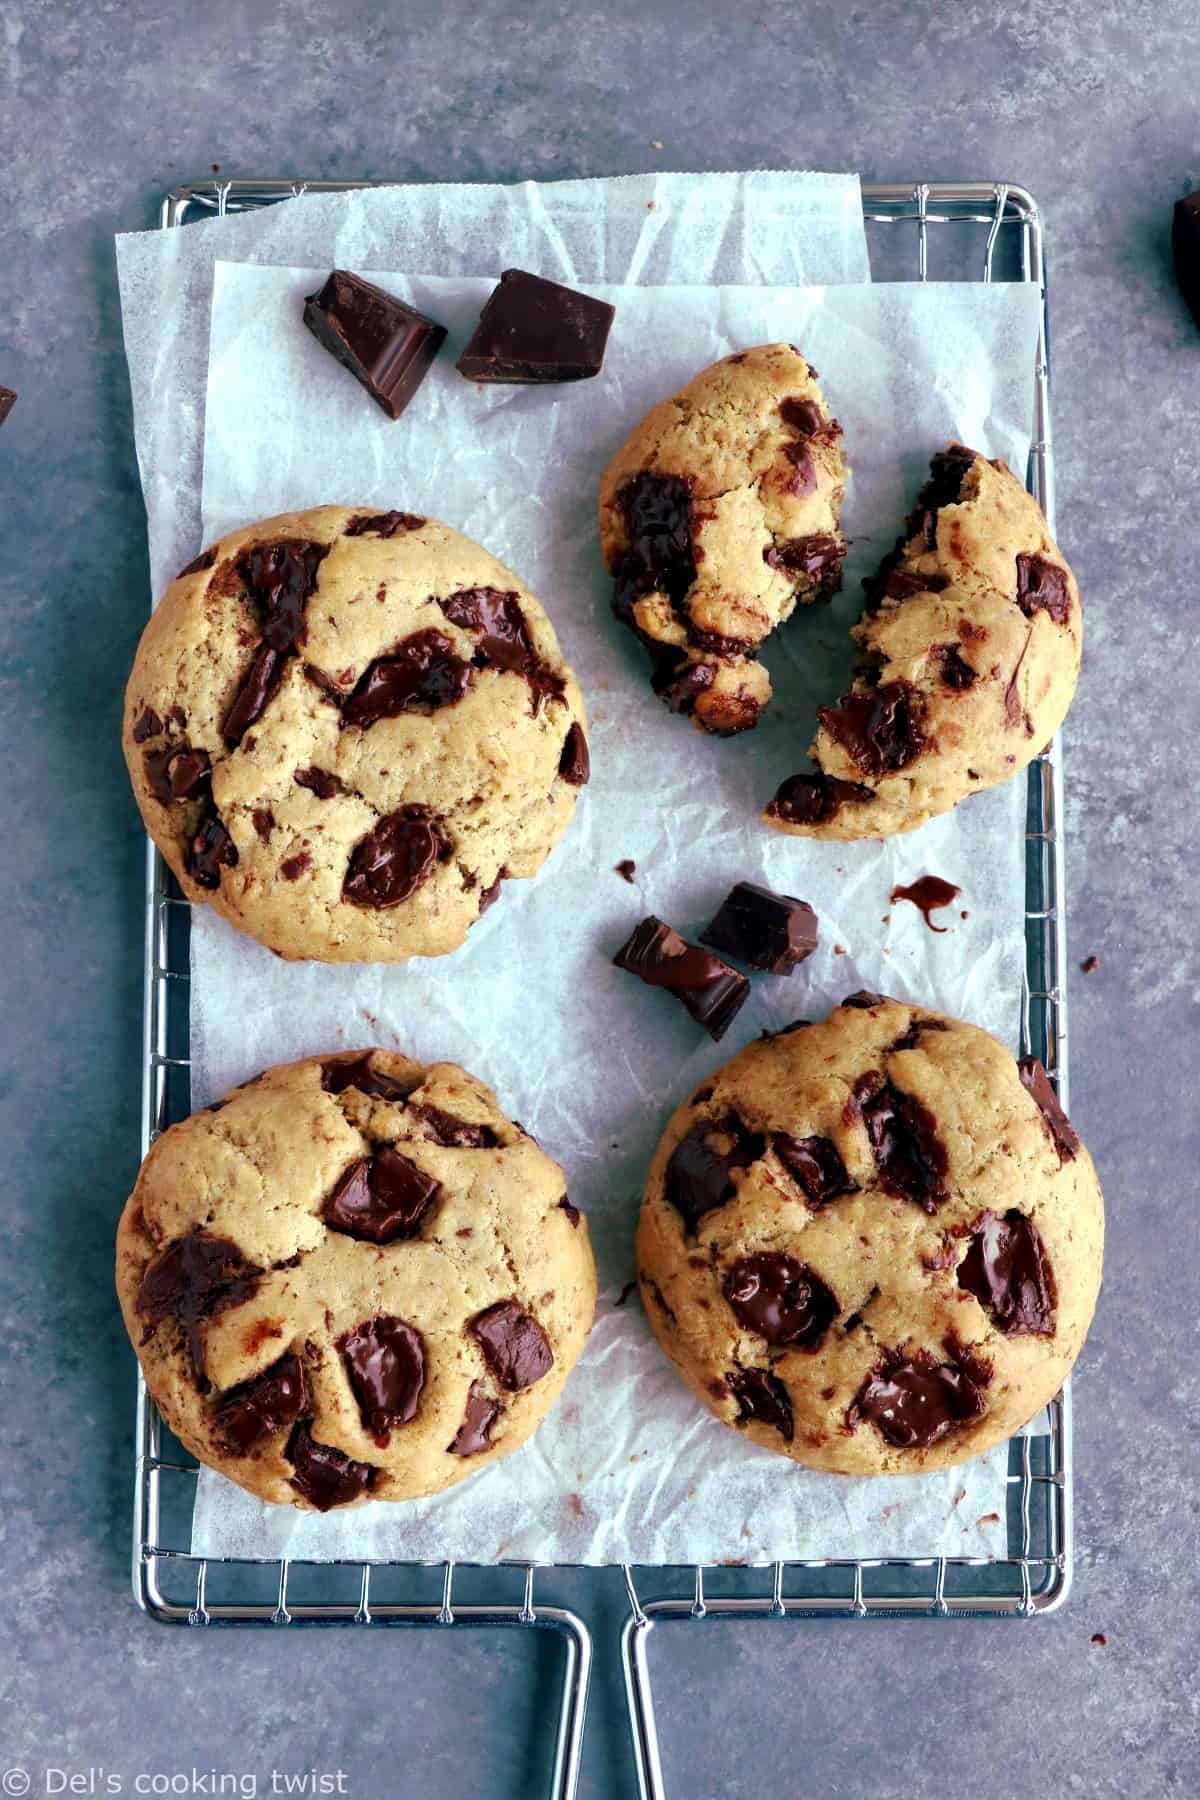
(386, 345)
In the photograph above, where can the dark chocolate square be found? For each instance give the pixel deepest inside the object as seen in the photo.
(384, 343)
(764, 930)
(533, 330)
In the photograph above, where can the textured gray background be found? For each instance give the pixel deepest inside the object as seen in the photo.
(100, 108)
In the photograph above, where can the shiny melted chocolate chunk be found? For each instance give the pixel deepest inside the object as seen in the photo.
(698, 1177)
(257, 686)
(455, 1134)
(815, 799)
(909, 1155)
(385, 1361)
(575, 763)
(879, 729)
(148, 725)
(195, 1277)
(356, 1072)
(763, 1398)
(815, 1164)
(804, 470)
(781, 1299)
(177, 773)
(954, 670)
(708, 988)
(767, 931)
(423, 673)
(479, 1415)
(1035, 1081)
(914, 1402)
(259, 1408)
(394, 859)
(801, 416)
(680, 687)
(279, 579)
(1042, 585)
(205, 560)
(380, 1198)
(514, 1346)
(658, 524)
(325, 1477)
(1009, 1273)
(817, 555)
(384, 525)
(503, 638)
(211, 850)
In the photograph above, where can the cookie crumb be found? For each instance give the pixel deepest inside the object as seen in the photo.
(1098, 1637)
(1089, 965)
(626, 869)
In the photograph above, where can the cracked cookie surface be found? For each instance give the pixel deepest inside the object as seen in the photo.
(345, 729)
(872, 1244)
(968, 658)
(353, 1278)
(717, 517)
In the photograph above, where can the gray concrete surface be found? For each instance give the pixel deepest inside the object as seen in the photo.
(100, 108)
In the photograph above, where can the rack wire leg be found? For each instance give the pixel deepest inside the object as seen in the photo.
(640, 1699)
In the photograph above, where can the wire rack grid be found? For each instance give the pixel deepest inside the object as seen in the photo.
(999, 236)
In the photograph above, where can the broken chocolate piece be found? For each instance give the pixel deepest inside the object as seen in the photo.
(879, 728)
(910, 1156)
(944, 488)
(479, 1415)
(356, 1072)
(680, 690)
(1035, 1081)
(177, 773)
(385, 1361)
(533, 330)
(211, 850)
(815, 1164)
(279, 579)
(395, 858)
(504, 640)
(1185, 247)
(781, 1299)
(710, 990)
(575, 763)
(8, 400)
(455, 1134)
(1042, 584)
(626, 869)
(384, 525)
(927, 893)
(195, 1277)
(916, 1401)
(386, 345)
(514, 1346)
(148, 725)
(258, 1408)
(818, 555)
(380, 1198)
(764, 930)
(325, 1476)
(763, 1398)
(815, 799)
(1009, 1273)
(698, 1177)
(423, 672)
(658, 522)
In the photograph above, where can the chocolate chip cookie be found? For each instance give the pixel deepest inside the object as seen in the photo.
(353, 1278)
(717, 517)
(872, 1244)
(968, 658)
(346, 729)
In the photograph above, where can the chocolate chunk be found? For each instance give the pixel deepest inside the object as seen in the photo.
(711, 991)
(324, 1476)
(457, 1134)
(1035, 1081)
(279, 579)
(943, 488)
(260, 1407)
(680, 689)
(384, 525)
(573, 1213)
(257, 686)
(514, 1346)
(198, 564)
(761, 1396)
(385, 1361)
(1185, 247)
(803, 416)
(927, 893)
(479, 1415)
(626, 869)
(910, 1156)
(879, 728)
(764, 930)
(815, 1164)
(490, 895)
(781, 1299)
(533, 330)
(504, 640)
(148, 725)
(321, 782)
(211, 850)
(956, 673)
(177, 773)
(817, 555)
(263, 820)
(909, 1039)
(380, 1198)
(1009, 1273)
(356, 1072)
(293, 867)
(864, 1000)
(1014, 711)
(1089, 965)
(575, 763)
(1042, 584)
(815, 799)
(331, 693)
(698, 1177)
(658, 523)
(386, 345)
(394, 859)
(8, 400)
(804, 470)
(916, 1401)
(423, 672)
(195, 1277)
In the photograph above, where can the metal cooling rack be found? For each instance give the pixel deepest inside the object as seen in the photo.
(999, 236)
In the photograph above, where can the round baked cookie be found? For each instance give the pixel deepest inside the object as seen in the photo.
(873, 1244)
(345, 729)
(717, 516)
(968, 658)
(353, 1278)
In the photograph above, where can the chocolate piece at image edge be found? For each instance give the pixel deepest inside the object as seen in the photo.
(533, 330)
(711, 991)
(1185, 246)
(7, 401)
(386, 345)
(767, 931)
